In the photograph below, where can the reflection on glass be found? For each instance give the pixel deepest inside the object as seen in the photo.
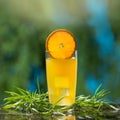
(70, 117)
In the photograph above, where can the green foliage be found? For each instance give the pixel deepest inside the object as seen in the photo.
(27, 102)
(38, 103)
(21, 46)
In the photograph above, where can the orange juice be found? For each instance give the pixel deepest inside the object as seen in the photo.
(61, 80)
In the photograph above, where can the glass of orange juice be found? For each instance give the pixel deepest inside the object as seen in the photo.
(61, 68)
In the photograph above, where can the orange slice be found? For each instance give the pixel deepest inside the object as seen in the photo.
(61, 44)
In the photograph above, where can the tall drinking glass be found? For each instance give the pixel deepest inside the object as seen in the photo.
(61, 79)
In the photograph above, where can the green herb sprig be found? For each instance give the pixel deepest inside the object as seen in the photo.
(38, 103)
(26, 101)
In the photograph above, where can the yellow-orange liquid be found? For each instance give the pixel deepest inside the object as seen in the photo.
(61, 80)
(70, 117)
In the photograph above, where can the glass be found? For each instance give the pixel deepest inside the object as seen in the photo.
(61, 79)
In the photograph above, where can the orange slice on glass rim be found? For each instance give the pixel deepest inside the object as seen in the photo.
(61, 44)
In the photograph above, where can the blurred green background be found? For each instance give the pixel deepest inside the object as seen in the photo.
(25, 25)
